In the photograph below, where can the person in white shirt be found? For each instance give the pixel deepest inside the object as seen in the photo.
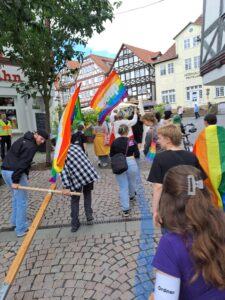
(122, 121)
(112, 116)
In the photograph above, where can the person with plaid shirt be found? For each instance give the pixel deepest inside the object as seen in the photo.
(78, 175)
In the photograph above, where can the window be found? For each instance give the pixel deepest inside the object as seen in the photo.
(142, 72)
(220, 91)
(122, 76)
(135, 59)
(187, 44)
(162, 70)
(194, 93)
(7, 106)
(125, 61)
(6, 101)
(188, 64)
(127, 75)
(170, 68)
(131, 60)
(196, 40)
(168, 96)
(137, 73)
(197, 62)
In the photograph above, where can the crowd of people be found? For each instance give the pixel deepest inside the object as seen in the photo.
(190, 258)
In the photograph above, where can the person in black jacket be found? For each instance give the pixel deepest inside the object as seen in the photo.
(15, 169)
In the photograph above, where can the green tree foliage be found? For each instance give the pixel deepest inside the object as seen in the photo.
(42, 35)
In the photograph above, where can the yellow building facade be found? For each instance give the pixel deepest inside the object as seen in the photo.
(177, 71)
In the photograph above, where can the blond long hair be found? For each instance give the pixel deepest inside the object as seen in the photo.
(195, 216)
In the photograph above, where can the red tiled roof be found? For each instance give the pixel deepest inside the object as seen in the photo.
(103, 62)
(145, 55)
(198, 21)
(168, 55)
(72, 64)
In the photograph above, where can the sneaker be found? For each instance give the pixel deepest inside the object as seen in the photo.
(90, 220)
(75, 228)
(125, 213)
(22, 234)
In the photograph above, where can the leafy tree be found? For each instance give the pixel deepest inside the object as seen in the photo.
(42, 35)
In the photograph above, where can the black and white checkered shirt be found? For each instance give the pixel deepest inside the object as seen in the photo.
(78, 170)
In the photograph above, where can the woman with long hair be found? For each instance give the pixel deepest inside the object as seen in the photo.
(126, 180)
(190, 259)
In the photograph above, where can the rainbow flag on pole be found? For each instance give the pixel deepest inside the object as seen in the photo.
(210, 151)
(64, 135)
(110, 93)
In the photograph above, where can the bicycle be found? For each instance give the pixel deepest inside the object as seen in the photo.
(188, 146)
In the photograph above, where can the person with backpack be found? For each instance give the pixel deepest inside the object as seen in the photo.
(127, 179)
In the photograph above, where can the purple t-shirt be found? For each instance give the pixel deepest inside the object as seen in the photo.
(172, 257)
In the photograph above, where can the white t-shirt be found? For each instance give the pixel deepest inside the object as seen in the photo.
(129, 123)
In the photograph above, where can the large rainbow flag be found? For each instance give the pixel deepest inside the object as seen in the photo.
(64, 135)
(110, 93)
(210, 150)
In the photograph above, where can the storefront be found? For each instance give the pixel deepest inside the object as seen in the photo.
(21, 111)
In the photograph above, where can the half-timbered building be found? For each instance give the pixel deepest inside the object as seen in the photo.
(92, 73)
(213, 43)
(135, 68)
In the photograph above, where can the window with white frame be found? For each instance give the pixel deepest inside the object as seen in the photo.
(170, 68)
(187, 43)
(187, 64)
(197, 62)
(194, 93)
(196, 40)
(220, 91)
(162, 70)
(168, 96)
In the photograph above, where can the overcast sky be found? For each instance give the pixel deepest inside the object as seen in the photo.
(152, 28)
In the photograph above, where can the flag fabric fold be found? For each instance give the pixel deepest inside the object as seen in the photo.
(77, 116)
(64, 136)
(210, 151)
(109, 95)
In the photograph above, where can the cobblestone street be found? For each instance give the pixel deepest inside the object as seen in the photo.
(108, 260)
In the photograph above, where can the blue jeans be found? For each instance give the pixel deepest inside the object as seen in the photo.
(127, 182)
(19, 202)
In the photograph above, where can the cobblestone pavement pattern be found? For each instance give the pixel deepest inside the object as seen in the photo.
(103, 261)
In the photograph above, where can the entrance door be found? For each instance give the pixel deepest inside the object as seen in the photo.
(194, 95)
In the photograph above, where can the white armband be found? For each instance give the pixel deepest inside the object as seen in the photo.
(166, 287)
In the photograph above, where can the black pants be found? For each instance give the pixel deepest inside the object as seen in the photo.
(5, 140)
(75, 200)
(197, 115)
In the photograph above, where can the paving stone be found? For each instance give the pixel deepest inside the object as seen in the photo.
(79, 267)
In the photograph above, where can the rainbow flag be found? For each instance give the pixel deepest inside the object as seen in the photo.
(110, 93)
(151, 152)
(210, 151)
(64, 135)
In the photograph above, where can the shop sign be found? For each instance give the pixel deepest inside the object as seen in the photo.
(192, 75)
(4, 76)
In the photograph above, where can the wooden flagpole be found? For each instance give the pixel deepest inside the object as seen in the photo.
(29, 188)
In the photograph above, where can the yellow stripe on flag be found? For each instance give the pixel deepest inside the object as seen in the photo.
(214, 160)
